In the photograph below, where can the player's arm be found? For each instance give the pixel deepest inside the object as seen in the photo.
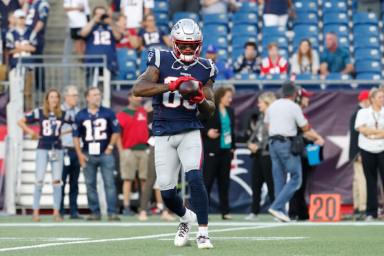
(207, 106)
(146, 85)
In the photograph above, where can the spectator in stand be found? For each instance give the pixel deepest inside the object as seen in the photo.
(183, 6)
(334, 59)
(274, 64)
(71, 167)
(370, 125)
(151, 36)
(283, 118)
(298, 209)
(21, 43)
(49, 150)
(248, 62)
(370, 6)
(101, 35)
(276, 12)
(359, 186)
(133, 150)
(258, 145)
(217, 6)
(98, 129)
(306, 60)
(6, 7)
(134, 10)
(78, 15)
(129, 38)
(36, 21)
(219, 145)
(225, 71)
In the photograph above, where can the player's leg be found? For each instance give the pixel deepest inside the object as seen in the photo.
(190, 151)
(167, 171)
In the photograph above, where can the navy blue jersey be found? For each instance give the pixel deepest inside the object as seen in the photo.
(17, 37)
(38, 11)
(152, 39)
(50, 127)
(101, 41)
(96, 128)
(172, 114)
(5, 9)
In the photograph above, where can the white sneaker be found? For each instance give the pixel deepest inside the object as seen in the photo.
(279, 215)
(251, 217)
(203, 242)
(182, 236)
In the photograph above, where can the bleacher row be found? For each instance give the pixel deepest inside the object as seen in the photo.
(359, 33)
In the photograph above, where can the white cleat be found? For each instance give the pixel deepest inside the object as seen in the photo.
(182, 236)
(203, 242)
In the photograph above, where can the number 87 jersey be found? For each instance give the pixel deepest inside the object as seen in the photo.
(172, 114)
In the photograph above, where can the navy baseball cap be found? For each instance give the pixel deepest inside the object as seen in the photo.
(211, 49)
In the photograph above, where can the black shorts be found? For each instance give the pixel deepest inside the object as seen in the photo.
(75, 33)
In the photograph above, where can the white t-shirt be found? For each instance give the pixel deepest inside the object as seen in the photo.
(77, 19)
(134, 11)
(284, 117)
(367, 117)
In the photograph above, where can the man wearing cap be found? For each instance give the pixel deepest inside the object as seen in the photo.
(225, 72)
(21, 43)
(359, 186)
(283, 117)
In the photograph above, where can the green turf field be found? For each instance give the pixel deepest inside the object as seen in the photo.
(18, 236)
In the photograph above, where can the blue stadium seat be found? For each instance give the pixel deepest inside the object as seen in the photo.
(273, 31)
(244, 30)
(161, 6)
(367, 54)
(306, 18)
(246, 76)
(365, 18)
(236, 52)
(368, 66)
(215, 30)
(368, 76)
(335, 7)
(210, 19)
(340, 30)
(164, 28)
(247, 7)
(306, 31)
(130, 76)
(239, 41)
(161, 18)
(143, 60)
(245, 18)
(131, 54)
(220, 42)
(126, 63)
(335, 18)
(365, 30)
(306, 6)
(371, 42)
(185, 15)
(338, 76)
(307, 77)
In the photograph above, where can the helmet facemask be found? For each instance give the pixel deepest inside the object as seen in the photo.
(187, 51)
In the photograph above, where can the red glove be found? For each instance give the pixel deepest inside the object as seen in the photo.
(173, 86)
(199, 98)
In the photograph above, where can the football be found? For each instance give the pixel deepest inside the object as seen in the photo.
(189, 89)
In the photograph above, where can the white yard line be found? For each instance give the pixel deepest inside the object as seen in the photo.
(173, 224)
(251, 238)
(124, 239)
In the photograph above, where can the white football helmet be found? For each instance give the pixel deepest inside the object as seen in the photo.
(187, 40)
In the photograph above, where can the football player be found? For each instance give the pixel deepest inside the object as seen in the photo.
(175, 126)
